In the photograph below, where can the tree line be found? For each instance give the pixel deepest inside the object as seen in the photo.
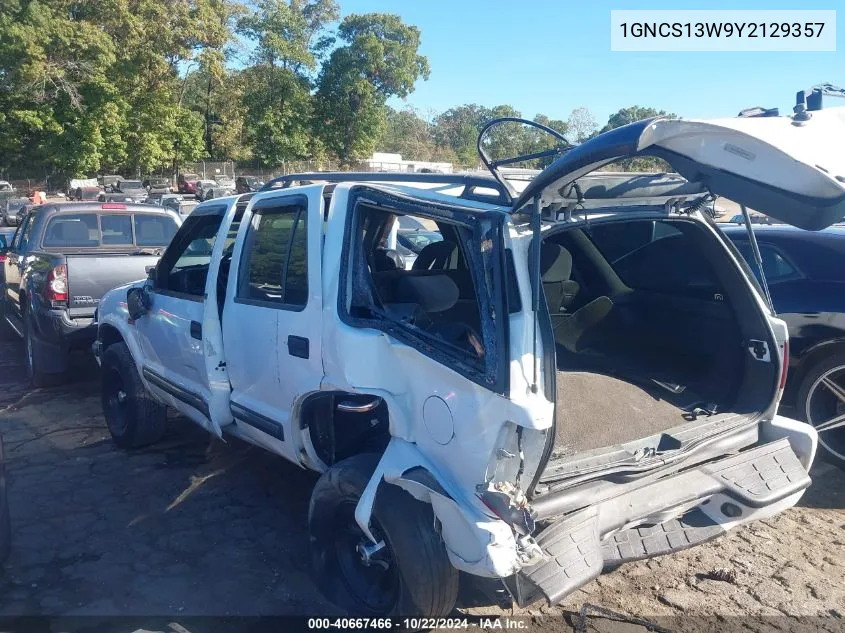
(139, 85)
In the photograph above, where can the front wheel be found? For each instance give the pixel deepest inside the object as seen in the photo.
(821, 400)
(407, 572)
(133, 417)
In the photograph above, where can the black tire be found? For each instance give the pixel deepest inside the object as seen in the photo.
(816, 404)
(133, 416)
(418, 579)
(37, 376)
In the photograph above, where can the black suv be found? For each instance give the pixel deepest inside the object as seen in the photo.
(246, 184)
(805, 272)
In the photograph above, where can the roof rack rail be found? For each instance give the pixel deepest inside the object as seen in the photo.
(470, 182)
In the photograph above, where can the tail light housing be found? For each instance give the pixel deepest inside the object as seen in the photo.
(55, 290)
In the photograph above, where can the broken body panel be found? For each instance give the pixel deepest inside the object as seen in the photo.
(472, 434)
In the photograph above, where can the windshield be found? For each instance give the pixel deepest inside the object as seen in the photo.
(91, 230)
(131, 184)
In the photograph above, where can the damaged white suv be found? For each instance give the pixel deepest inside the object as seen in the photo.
(571, 377)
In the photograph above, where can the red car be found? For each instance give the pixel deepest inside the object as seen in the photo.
(188, 183)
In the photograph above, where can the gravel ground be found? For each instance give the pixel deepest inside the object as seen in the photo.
(193, 526)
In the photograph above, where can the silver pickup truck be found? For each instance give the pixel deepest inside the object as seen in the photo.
(565, 379)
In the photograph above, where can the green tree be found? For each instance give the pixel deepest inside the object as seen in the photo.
(457, 128)
(581, 124)
(277, 113)
(631, 115)
(378, 59)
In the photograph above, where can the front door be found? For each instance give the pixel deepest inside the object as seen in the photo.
(272, 316)
(171, 333)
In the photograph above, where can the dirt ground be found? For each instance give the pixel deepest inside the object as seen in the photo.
(197, 527)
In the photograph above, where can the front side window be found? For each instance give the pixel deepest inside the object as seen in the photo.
(275, 261)
(184, 267)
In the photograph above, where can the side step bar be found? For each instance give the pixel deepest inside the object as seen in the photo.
(579, 546)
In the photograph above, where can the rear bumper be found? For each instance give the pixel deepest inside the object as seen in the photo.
(665, 516)
(55, 327)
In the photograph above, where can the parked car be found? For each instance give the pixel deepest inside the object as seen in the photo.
(756, 218)
(6, 234)
(805, 273)
(109, 181)
(85, 194)
(133, 189)
(63, 259)
(186, 183)
(218, 190)
(202, 188)
(11, 208)
(246, 184)
(157, 184)
(429, 398)
(410, 243)
(6, 186)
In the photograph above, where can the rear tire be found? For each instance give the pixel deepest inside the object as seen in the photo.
(133, 416)
(818, 403)
(410, 576)
(37, 376)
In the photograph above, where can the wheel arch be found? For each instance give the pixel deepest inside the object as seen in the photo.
(476, 542)
(811, 357)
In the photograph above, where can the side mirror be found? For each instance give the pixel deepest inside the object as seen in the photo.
(137, 302)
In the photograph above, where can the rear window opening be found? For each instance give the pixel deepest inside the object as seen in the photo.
(419, 278)
(651, 324)
(93, 230)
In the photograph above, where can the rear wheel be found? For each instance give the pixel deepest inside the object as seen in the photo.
(821, 400)
(407, 572)
(32, 356)
(133, 417)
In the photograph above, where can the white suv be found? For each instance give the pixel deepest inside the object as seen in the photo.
(579, 375)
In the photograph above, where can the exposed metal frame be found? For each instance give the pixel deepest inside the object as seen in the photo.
(468, 181)
(493, 165)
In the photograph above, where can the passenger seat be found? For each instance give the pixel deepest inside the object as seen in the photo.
(577, 330)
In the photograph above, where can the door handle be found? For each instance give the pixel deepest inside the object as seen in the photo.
(298, 346)
(196, 330)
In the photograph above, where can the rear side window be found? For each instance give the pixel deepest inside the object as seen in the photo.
(78, 230)
(276, 258)
(776, 266)
(154, 230)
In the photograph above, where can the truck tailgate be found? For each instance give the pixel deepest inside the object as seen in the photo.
(92, 276)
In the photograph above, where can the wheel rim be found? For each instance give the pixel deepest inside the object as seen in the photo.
(117, 401)
(825, 410)
(368, 571)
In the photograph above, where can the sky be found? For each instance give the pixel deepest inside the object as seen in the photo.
(550, 56)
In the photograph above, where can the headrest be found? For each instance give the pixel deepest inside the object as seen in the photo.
(74, 231)
(433, 293)
(555, 263)
(436, 254)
